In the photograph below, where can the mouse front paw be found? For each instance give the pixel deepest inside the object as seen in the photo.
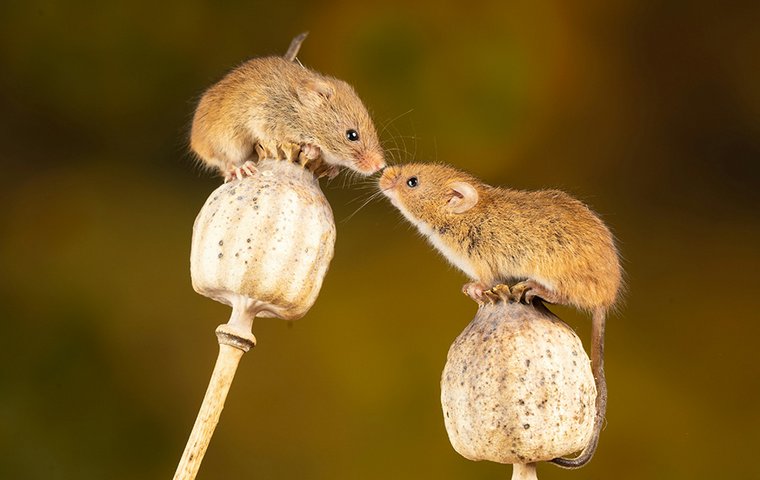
(310, 151)
(247, 169)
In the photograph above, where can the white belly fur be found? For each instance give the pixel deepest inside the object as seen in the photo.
(454, 258)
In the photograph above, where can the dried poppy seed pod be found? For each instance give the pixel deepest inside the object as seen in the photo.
(264, 243)
(261, 245)
(517, 388)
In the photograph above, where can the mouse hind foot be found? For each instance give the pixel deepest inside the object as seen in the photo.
(528, 290)
(481, 293)
(476, 291)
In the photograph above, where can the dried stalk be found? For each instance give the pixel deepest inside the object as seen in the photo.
(522, 471)
(233, 343)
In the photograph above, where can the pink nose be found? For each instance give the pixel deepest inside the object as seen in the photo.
(371, 162)
(389, 178)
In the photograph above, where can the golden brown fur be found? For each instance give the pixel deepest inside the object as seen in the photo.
(513, 235)
(273, 101)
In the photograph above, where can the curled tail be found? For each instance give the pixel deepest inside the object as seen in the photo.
(597, 366)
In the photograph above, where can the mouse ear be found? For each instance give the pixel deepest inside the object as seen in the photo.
(314, 91)
(463, 197)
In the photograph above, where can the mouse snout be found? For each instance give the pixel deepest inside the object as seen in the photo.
(389, 178)
(371, 162)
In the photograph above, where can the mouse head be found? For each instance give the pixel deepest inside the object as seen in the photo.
(338, 123)
(430, 194)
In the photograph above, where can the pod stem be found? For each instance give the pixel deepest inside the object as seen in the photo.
(524, 471)
(233, 343)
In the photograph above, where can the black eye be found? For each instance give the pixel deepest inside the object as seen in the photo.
(352, 135)
(412, 182)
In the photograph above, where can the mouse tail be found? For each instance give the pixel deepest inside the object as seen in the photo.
(295, 46)
(597, 366)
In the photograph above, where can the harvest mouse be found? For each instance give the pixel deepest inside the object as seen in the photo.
(273, 104)
(542, 244)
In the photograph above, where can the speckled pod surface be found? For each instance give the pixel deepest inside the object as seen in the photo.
(266, 239)
(517, 387)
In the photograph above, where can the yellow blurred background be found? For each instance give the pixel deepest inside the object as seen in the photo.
(649, 111)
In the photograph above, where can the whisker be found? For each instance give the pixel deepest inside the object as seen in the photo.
(403, 142)
(398, 153)
(405, 136)
(393, 150)
(367, 202)
(363, 197)
(389, 122)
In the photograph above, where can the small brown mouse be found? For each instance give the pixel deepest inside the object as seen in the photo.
(543, 243)
(271, 104)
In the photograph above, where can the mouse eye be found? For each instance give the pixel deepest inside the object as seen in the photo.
(412, 182)
(352, 135)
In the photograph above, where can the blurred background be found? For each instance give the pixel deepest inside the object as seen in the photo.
(648, 111)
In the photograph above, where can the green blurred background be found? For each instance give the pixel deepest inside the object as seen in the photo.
(649, 111)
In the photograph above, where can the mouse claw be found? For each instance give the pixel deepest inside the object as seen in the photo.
(529, 290)
(490, 297)
(248, 169)
(502, 292)
(522, 292)
(290, 152)
(260, 153)
(263, 152)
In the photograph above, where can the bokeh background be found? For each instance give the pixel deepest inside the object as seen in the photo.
(649, 111)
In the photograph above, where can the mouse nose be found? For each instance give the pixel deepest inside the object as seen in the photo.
(389, 177)
(372, 162)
